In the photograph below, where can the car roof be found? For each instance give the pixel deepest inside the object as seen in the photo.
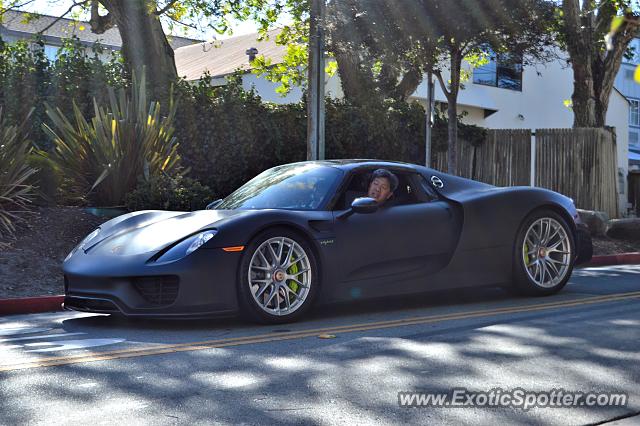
(354, 164)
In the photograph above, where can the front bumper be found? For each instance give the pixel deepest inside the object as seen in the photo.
(201, 284)
(584, 243)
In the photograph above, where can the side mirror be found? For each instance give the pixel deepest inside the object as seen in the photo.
(213, 204)
(360, 205)
(364, 205)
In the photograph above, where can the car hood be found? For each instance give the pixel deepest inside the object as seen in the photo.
(150, 231)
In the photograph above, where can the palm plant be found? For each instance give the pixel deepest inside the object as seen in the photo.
(16, 193)
(103, 158)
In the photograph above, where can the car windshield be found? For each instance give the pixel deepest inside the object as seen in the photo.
(292, 186)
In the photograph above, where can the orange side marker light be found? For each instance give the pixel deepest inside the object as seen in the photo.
(234, 248)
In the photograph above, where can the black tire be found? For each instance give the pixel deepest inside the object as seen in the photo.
(523, 282)
(249, 307)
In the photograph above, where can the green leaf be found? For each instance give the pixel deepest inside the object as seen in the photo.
(331, 68)
(616, 22)
(636, 74)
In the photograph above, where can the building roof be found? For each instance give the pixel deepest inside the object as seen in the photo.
(223, 57)
(13, 22)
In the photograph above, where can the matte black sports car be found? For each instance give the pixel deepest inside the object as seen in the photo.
(303, 233)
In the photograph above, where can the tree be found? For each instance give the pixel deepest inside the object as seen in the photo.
(376, 47)
(381, 47)
(144, 43)
(596, 35)
(472, 32)
(140, 24)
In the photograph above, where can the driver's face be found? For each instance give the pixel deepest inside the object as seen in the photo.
(380, 189)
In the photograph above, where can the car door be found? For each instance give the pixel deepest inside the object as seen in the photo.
(393, 250)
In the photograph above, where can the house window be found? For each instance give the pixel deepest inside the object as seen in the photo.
(634, 112)
(632, 55)
(51, 52)
(633, 138)
(502, 70)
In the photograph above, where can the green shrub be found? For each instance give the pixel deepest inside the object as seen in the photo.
(16, 193)
(163, 192)
(46, 179)
(28, 79)
(228, 135)
(104, 158)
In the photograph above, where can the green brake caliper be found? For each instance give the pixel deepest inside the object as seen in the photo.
(293, 269)
(526, 254)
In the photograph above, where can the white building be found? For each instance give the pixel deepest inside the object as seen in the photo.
(627, 85)
(499, 96)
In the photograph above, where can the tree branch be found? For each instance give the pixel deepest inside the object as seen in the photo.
(409, 82)
(613, 58)
(55, 21)
(182, 23)
(14, 6)
(571, 11)
(99, 24)
(443, 86)
(578, 37)
(166, 7)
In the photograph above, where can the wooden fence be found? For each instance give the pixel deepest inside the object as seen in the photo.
(580, 163)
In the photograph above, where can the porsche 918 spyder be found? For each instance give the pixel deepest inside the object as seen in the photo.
(303, 233)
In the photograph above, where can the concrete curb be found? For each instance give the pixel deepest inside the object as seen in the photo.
(614, 259)
(30, 305)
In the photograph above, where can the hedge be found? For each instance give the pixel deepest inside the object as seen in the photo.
(226, 134)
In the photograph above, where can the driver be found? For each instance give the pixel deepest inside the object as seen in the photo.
(381, 186)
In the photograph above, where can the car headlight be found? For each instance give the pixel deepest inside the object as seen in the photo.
(185, 247)
(200, 239)
(84, 241)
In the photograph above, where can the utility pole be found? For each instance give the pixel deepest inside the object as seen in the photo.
(315, 97)
(429, 119)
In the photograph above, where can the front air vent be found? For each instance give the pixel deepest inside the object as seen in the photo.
(87, 304)
(159, 290)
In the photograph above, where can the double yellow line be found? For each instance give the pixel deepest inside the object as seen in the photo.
(274, 337)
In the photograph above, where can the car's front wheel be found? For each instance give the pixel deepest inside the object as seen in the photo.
(544, 254)
(278, 277)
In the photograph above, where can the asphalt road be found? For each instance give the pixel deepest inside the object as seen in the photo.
(346, 364)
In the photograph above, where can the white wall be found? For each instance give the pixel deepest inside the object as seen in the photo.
(627, 85)
(267, 89)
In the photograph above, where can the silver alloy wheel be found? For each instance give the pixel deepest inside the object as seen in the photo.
(546, 252)
(279, 276)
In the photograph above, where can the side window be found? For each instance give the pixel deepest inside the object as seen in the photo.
(412, 189)
(426, 188)
(357, 187)
(406, 192)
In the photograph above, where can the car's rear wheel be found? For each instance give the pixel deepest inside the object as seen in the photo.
(544, 254)
(278, 277)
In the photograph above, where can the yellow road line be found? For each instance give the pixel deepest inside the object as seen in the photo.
(273, 337)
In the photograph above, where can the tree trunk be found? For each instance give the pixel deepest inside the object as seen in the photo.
(452, 107)
(409, 83)
(452, 133)
(594, 68)
(583, 97)
(356, 86)
(144, 44)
